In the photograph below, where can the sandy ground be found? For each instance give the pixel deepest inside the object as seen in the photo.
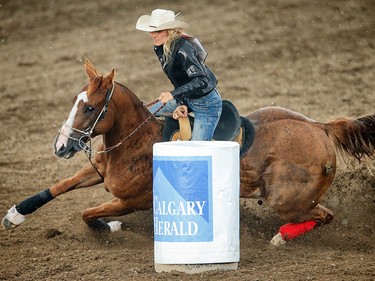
(315, 57)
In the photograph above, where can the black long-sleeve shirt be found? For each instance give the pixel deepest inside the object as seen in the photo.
(189, 75)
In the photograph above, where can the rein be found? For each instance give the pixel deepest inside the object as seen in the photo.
(108, 149)
(88, 132)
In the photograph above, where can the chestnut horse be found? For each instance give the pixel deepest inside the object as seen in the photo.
(291, 163)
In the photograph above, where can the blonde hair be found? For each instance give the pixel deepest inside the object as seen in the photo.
(173, 34)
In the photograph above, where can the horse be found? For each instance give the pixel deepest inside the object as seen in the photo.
(291, 163)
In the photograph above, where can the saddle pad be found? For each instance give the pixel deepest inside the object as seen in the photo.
(248, 135)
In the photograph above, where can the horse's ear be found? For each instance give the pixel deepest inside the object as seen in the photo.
(90, 69)
(108, 80)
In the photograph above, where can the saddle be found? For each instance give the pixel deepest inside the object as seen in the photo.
(231, 127)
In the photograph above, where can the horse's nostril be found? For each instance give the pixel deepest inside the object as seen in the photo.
(60, 151)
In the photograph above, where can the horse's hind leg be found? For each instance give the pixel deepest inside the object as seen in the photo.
(85, 177)
(115, 207)
(320, 214)
(317, 217)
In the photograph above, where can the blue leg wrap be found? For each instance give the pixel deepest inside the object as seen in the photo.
(33, 203)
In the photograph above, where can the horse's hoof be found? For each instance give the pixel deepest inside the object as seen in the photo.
(115, 225)
(7, 224)
(12, 219)
(277, 240)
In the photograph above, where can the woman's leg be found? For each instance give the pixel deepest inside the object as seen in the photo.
(207, 112)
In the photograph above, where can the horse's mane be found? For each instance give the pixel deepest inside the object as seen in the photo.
(135, 98)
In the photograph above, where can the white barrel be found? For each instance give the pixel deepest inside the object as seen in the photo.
(196, 202)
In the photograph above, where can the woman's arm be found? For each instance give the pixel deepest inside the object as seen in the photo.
(195, 71)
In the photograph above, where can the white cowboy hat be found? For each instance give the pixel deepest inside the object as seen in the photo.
(159, 20)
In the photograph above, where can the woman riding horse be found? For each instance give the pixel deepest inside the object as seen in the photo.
(291, 163)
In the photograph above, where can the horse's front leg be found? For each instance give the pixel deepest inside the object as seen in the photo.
(137, 195)
(85, 177)
(115, 207)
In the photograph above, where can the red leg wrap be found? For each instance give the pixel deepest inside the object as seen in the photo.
(290, 231)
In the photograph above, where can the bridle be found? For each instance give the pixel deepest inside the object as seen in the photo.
(84, 141)
(86, 133)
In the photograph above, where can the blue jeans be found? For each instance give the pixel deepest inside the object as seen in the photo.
(207, 112)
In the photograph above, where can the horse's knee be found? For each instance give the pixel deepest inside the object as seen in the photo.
(98, 224)
(88, 216)
(93, 222)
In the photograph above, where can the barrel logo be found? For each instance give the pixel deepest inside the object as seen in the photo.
(182, 198)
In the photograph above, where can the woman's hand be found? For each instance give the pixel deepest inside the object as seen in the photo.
(180, 111)
(165, 97)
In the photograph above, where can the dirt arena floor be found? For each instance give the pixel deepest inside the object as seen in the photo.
(314, 57)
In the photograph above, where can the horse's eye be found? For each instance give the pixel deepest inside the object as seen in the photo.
(89, 109)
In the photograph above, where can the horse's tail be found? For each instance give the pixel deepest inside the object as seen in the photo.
(354, 137)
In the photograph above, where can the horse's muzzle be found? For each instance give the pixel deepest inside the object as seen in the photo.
(69, 149)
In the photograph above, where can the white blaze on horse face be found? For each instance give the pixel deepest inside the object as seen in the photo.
(66, 129)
